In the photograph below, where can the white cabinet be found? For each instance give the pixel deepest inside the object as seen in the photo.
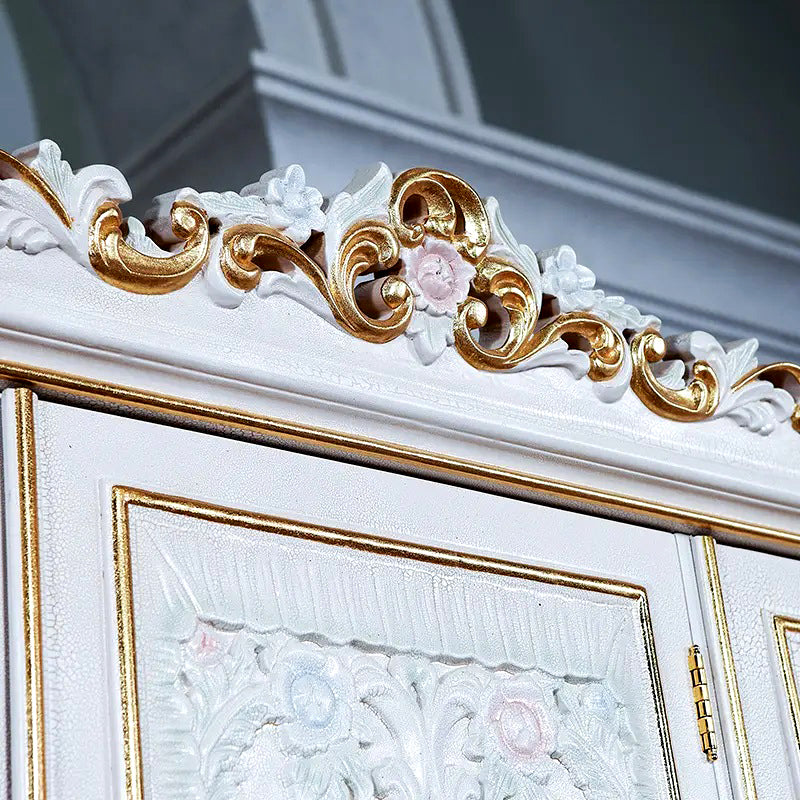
(226, 619)
(761, 594)
(363, 499)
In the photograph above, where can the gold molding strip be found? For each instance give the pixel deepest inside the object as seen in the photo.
(126, 637)
(562, 493)
(31, 597)
(782, 626)
(124, 497)
(729, 668)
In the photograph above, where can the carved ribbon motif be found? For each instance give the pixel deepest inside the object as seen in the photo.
(362, 274)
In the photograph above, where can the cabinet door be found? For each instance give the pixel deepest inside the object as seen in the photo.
(758, 600)
(194, 616)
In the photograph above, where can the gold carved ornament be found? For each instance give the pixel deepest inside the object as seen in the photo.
(423, 203)
(121, 265)
(369, 299)
(698, 400)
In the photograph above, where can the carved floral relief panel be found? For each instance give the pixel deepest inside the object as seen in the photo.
(273, 665)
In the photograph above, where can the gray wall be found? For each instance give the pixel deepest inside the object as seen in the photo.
(17, 120)
(702, 94)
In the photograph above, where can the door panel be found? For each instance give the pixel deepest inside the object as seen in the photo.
(761, 596)
(224, 619)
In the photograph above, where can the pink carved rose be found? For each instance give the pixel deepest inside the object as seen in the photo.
(207, 646)
(520, 720)
(438, 276)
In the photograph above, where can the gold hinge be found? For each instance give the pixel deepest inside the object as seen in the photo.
(702, 703)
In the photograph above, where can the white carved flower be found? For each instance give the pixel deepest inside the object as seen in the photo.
(314, 695)
(295, 208)
(566, 279)
(594, 699)
(440, 281)
(515, 729)
(573, 285)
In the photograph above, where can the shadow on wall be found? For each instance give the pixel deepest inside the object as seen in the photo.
(704, 95)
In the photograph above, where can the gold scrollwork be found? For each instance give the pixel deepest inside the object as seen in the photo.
(516, 295)
(774, 372)
(450, 209)
(422, 202)
(696, 401)
(121, 265)
(425, 201)
(365, 248)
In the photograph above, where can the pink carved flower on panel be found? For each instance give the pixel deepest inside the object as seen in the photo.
(208, 645)
(516, 726)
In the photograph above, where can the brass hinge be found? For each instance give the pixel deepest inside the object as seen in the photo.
(702, 703)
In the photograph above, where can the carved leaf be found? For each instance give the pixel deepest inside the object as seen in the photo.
(138, 239)
(740, 357)
(504, 246)
(759, 406)
(430, 335)
(230, 700)
(18, 231)
(366, 197)
(80, 192)
(296, 286)
(30, 224)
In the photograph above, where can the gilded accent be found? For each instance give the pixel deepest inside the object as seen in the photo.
(123, 498)
(121, 265)
(126, 637)
(446, 206)
(702, 703)
(729, 669)
(380, 453)
(362, 283)
(12, 167)
(782, 626)
(774, 372)
(698, 400)
(31, 595)
(247, 249)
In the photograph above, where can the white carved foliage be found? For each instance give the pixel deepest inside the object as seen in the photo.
(28, 223)
(342, 723)
(760, 406)
(366, 197)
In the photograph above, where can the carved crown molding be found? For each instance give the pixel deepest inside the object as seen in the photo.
(419, 255)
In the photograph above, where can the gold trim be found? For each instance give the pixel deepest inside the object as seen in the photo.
(31, 596)
(696, 401)
(729, 668)
(124, 497)
(373, 451)
(781, 627)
